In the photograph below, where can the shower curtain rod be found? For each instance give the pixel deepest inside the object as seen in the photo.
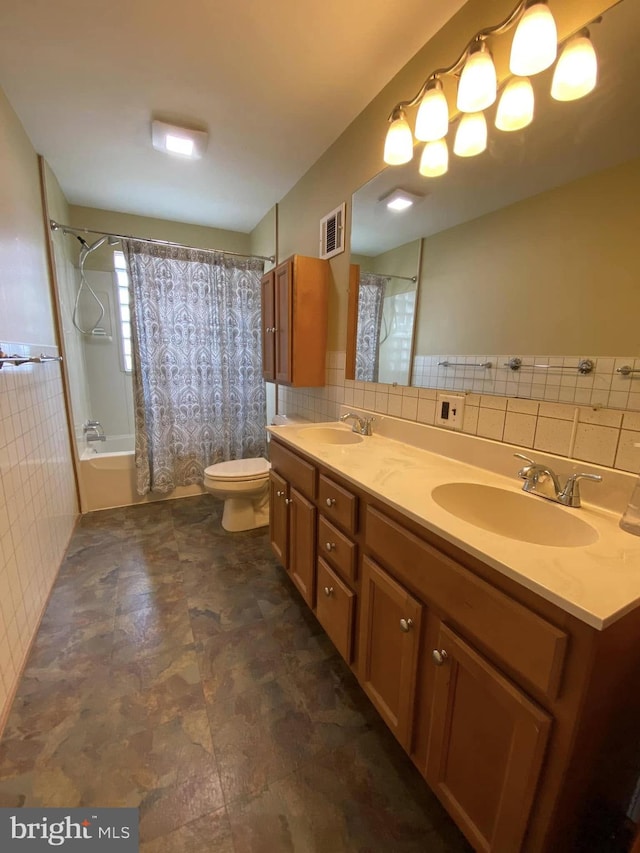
(55, 226)
(412, 278)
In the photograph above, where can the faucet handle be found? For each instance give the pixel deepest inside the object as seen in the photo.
(526, 458)
(570, 495)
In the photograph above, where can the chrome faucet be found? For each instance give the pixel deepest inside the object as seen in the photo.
(361, 425)
(93, 431)
(543, 481)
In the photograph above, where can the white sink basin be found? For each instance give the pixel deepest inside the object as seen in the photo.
(330, 435)
(515, 515)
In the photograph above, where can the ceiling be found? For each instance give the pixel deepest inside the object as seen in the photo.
(565, 141)
(274, 83)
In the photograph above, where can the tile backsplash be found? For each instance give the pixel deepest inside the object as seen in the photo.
(602, 429)
(38, 505)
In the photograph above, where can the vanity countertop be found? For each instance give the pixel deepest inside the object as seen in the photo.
(597, 583)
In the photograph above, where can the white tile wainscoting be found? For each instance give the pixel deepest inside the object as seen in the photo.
(603, 429)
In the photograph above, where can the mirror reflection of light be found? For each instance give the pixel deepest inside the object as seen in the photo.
(471, 135)
(515, 107)
(576, 73)
(435, 159)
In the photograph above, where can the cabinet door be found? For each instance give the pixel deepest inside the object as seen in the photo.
(390, 623)
(302, 545)
(283, 309)
(486, 745)
(279, 517)
(268, 308)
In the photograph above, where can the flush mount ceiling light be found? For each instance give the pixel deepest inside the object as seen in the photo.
(400, 199)
(534, 48)
(182, 141)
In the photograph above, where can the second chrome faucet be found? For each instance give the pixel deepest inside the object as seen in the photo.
(543, 481)
(361, 425)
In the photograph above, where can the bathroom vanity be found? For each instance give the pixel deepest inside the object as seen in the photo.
(507, 669)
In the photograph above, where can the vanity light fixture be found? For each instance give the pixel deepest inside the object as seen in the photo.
(576, 73)
(435, 159)
(478, 81)
(471, 135)
(515, 107)
(173, 139)
(535, 41)
(534, 48)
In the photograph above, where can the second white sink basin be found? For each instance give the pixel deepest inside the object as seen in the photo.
(515, 515)
(330, 435)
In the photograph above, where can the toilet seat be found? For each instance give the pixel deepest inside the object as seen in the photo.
(239, 470)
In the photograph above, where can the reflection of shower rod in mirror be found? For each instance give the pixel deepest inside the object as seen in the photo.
(412, 278)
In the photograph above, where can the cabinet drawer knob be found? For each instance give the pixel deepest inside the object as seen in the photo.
(439, 656)
(406, 625)
(331, 501)
(330, 546)
(288, 501)
(328, 591)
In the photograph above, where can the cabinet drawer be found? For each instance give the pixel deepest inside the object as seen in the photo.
(334, 609)
(337, 549)
(516, 636)
(299, 473)
(338, 504)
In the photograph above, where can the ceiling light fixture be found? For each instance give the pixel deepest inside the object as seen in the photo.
(398, 199)
(534, 48)
(183, 141)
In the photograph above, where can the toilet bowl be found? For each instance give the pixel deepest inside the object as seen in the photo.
(243, 485)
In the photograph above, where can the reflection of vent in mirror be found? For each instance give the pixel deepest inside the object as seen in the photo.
(332, 233)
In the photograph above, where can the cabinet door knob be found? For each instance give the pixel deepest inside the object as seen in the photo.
(406, 625)
(439, 656)
(330, 501)
(330, 546)
(273, 329)
(288, 501)
(328, 590)
(279, 493)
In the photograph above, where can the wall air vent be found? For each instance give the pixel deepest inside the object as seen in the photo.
(332, 233)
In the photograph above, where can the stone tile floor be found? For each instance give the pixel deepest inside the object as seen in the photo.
(177, 670)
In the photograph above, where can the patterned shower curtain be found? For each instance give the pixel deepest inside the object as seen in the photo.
(197, 362)
(371, 292)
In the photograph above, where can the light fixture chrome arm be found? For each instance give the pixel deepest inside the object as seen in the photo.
(456, 67)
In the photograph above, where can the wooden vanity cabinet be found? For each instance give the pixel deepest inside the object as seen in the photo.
(292, 518)
(521, 717)
(390, 625)
(294, 322)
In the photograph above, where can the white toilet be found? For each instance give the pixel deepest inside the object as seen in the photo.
(243, 485)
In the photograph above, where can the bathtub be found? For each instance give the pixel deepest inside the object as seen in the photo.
(107, 476)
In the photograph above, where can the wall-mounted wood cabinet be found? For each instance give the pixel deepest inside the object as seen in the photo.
(294, 322)
(518, 714)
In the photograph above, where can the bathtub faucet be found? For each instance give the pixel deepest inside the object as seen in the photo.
(93, 431)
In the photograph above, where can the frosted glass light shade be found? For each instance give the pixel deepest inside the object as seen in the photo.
(478, 84)
(435, 159)
(515, 107)
(471, 136)
(398, 145)
(576, 73)
(432, 121)
(535, 42)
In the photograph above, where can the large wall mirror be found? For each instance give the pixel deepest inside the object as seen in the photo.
(529, 248)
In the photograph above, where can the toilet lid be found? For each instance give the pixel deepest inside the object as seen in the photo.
(239, 469)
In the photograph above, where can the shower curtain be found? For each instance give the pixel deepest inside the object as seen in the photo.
(371, 292)
(197, 362)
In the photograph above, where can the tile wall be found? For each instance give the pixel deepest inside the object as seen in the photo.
(38, 505)
(593, 432)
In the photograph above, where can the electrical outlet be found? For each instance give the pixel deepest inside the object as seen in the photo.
(450, 410)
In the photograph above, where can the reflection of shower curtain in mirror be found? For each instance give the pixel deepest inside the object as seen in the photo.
(197, 362)
(371, 291)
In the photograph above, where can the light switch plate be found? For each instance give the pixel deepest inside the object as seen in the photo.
(450, 410)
